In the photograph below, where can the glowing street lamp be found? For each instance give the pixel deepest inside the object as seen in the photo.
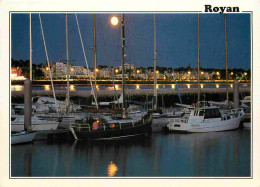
(96, 70)
(116, 70)
(138, 71)
(245, 73)
(189, 72)
(47, 69)
(114, 21)
(231, 73)
(217, 73)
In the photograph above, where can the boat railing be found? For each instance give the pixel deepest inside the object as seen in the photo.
(80, 127)
(180, 120)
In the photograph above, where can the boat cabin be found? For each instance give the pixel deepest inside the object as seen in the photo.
(204, 113)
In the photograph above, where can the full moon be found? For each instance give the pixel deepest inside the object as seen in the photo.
(114, 20)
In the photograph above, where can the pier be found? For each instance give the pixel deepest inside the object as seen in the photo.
(136, 92)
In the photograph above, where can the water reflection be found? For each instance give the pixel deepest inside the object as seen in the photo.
(28, 161)
(46, 87)
(72, 87)
(202, 154)
(112, 169)
(16, 88)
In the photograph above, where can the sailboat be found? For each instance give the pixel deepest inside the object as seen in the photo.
(27, 135)
(53, 109)
(114, 126)
(207, 119)
(165, 116)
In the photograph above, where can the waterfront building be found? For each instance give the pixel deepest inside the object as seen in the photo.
(60, 69)
(76, 70)
(104, 73)
(86, 74)
(127, 66)
(16, 74)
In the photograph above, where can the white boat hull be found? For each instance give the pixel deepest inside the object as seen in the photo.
(159, 123)
(50, 125)
(22, 137)
(205, 127)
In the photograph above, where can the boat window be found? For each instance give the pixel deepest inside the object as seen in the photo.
(212, 113)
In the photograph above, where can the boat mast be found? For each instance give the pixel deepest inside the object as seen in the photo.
(68, 68)
(225, 16)
(123, 58)
(198, 59)
(30, 46)
(95, 54)
(154, 68)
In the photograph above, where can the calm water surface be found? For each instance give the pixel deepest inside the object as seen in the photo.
(175, 155)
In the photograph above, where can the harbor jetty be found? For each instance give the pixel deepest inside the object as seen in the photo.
(132, 92)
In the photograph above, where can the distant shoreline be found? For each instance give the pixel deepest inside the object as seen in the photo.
(102, 82)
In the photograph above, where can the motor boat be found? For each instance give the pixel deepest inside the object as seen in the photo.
(38, 124)
(207, 119)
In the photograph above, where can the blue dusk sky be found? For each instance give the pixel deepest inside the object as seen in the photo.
(176, 37)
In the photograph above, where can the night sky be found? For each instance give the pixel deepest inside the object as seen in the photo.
(177, 39)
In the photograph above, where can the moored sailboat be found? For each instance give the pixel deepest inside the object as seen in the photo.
(117, 125)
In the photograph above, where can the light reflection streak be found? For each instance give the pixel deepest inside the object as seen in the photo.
(16, 88)
(112, 169)
(72, 88)
(46, 87)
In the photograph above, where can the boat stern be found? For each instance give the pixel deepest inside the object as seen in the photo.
(178, 126)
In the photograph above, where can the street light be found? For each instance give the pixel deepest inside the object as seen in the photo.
(116, 70)
(138, 71)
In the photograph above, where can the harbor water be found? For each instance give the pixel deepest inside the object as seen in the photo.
(215, 154)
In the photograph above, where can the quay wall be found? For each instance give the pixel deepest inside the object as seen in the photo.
(136, 92)
(166, 97)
